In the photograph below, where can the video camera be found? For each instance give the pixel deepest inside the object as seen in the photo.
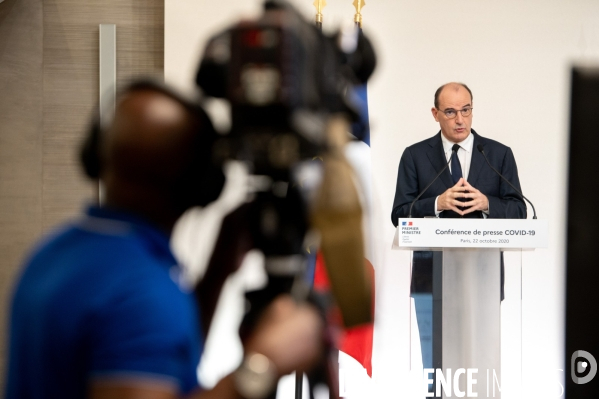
(291, 92)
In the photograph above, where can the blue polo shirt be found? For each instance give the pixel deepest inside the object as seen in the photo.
(101, 298)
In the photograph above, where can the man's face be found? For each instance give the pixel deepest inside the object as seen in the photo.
(454, 97)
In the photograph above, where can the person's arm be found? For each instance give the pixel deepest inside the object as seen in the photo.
(233, 242)
(507, 204)
(407, 189)
(132, 388)
(290, 335)
(139, 388)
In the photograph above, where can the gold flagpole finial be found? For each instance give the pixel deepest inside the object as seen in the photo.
(358, 4)
(319, 4)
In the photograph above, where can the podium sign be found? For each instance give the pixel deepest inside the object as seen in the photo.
(467, 279)
(438, 233)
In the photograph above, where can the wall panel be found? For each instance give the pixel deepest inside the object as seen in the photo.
(71, 89)
(21, 37)
(48, 89)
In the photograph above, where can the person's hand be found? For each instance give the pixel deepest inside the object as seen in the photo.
(450, 199)
(477, 200)
(453, 199)
(289, 334)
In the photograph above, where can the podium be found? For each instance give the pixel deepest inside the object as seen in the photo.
(467, 283)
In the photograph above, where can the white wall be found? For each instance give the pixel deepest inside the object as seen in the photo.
(514, 54)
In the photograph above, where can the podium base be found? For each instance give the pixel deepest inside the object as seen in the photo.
(466, 317)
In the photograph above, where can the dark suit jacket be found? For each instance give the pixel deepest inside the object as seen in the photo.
(421, 162)
(419, 165)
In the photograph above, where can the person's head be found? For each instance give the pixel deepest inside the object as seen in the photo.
(453, 111)
(153, 157)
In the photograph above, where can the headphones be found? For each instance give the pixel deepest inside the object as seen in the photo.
(211, 178)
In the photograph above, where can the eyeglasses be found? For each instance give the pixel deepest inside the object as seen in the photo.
(452, 113)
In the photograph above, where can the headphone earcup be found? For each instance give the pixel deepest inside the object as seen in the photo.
(90, 150)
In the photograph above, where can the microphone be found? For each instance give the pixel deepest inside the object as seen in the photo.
(482, 151)
(455, 148)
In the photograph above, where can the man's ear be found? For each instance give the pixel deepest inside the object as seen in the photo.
(434, 111)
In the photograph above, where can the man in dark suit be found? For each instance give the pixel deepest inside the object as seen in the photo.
(421, 162)
(469, 188)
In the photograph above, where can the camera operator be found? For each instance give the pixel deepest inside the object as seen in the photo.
(99, 310)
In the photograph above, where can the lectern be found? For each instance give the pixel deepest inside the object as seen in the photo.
(467, 287)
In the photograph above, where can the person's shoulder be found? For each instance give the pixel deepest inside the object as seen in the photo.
(424, 144)
(100, 254)
(493, 148)
(485, 141)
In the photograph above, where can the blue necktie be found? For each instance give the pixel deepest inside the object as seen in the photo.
(456, 167)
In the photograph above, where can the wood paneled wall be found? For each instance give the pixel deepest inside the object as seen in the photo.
(21, 136)
(48, 91)
(70, 75)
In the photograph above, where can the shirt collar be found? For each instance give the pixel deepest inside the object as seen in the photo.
(112, 221)
(465, 144)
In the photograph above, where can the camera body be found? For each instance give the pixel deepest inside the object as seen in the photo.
(283, 78)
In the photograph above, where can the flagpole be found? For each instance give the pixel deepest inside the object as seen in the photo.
(299, 376)
(319, 4)
(358, 4)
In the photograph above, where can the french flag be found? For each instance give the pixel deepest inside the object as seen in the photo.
(357, 341)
